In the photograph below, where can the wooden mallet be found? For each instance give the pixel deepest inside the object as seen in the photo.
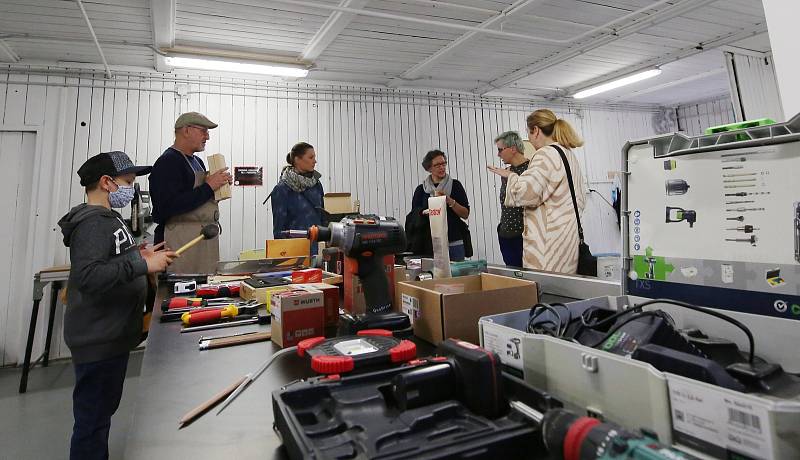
(209, 232)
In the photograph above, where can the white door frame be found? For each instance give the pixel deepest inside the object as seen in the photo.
(27, 265)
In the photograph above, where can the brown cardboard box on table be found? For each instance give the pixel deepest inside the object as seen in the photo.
(450, 307)
(297, 314)
(330, 297)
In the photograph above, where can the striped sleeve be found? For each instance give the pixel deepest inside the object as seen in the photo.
(535, 185)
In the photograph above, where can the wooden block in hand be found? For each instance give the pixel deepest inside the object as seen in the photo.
(216, 161)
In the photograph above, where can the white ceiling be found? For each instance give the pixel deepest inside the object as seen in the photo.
(545, 48)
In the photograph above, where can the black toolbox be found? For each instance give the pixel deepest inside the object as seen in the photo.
(360, 416)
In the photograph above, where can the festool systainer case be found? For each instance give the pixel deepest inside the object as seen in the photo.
(729, 242)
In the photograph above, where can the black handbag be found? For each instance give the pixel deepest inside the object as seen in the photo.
(587, 263)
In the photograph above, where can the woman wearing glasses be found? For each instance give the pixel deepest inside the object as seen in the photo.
(510, 149)
(439, 183)
(297, 198)
(550, 238)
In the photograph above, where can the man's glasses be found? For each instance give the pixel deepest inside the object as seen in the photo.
(203, 129)
(436, 165)
(500, 149)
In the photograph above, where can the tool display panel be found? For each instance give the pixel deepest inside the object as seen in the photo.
(713, 220)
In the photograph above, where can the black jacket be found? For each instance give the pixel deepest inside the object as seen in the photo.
(418, 233)
(107, 284)
(172, 189)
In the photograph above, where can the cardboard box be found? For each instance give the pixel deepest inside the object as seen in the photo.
(253, 254)
(297, 314)
(216, 161)
(288, 247)
(437, 315)
(309, 275)
(354, 301)
(262, 294)
(400, 275)
(330, 297)
(338, 203)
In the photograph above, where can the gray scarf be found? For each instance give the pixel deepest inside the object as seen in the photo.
(446, 185)
(299, 182)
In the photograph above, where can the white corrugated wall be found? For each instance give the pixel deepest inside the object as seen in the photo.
(369, 142)
(695, 117)
(758, 88)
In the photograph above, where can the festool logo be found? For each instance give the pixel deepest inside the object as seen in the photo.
(613, 340)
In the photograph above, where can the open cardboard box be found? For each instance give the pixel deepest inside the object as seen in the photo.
(339, 203)
(450, 307)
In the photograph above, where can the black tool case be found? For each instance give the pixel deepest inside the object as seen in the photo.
(355, 417)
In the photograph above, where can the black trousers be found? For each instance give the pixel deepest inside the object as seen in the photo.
(98, 390)
(511, 248)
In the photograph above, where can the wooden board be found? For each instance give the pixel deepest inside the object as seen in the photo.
(216, 161)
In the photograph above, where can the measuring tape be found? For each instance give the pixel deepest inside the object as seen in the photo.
(369, 348)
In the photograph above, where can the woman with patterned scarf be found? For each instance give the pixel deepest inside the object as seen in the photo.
(297, 198)
(439, 183)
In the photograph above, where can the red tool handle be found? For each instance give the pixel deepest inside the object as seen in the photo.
(182, 302)
(202, 317)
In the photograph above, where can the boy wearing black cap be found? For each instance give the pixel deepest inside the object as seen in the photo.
(105, 296)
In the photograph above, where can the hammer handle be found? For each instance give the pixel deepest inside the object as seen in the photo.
(188, 245)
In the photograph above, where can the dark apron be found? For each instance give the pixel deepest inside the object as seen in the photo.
(180, 229)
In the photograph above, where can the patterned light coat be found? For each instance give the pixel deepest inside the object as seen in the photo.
(550, 238)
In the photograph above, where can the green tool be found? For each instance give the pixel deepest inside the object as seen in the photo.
(675, 214)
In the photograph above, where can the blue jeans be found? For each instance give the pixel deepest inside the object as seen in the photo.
(98, 390)
(457, 253)
(512, 250)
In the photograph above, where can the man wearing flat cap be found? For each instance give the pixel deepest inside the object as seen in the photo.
(182, 191)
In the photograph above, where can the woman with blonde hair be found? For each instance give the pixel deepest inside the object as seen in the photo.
(550, 238)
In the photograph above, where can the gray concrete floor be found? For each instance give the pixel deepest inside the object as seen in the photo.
(38, 424)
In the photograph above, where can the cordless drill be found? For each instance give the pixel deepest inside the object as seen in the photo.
(571, 437)
(366, 239)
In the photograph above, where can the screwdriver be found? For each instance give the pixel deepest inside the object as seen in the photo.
(191, 318)
(182, 302)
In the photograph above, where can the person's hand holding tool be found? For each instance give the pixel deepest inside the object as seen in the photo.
(219, 178)
(145, 248)
(157, 261)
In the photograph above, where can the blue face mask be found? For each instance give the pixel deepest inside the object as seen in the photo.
(122, 196)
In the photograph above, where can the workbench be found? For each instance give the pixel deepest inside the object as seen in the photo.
(176, 377)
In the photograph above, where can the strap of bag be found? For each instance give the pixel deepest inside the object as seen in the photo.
(571, 188)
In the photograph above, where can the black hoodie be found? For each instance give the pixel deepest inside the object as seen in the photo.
(107, 284)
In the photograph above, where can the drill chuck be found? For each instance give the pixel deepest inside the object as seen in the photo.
(571, 437)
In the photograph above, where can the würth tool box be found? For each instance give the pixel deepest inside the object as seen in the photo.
(330, 297)
(448, 406)
(297, 314)
(711, 221)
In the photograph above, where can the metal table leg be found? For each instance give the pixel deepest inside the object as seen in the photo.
(56, 285)
(38, 293)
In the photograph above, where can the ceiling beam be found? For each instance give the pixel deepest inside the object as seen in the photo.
(418, 70)
(676, 55)
(335, 23)
(679, 8)
(6, 53)
(162, 15)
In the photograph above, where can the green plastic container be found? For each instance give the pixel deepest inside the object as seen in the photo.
(740, 125)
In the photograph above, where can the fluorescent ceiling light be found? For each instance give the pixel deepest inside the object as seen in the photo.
(232, 66)
(617, 83)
